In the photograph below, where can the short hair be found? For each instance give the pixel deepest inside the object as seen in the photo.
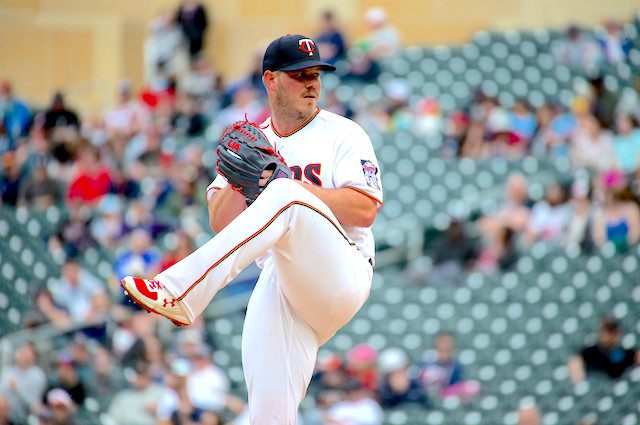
(610, 324)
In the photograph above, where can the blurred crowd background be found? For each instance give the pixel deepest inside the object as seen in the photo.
(506, 289)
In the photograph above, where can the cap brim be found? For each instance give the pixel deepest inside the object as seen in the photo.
(309, 64)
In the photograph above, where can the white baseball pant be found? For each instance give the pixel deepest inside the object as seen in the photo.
(314, 283)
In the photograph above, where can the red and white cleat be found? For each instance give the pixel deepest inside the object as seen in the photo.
(154, 297)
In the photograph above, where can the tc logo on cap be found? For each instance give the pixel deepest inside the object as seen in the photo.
(307, 45)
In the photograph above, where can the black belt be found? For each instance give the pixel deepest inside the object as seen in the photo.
(370, 260)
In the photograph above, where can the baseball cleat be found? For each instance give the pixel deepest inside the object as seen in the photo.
(154, 297)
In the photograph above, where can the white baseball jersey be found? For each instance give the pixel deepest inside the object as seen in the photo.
(316, 273)
(332, 152)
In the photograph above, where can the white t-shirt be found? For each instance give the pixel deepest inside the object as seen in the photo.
(208, 388)
(360, 412)
(332, 152)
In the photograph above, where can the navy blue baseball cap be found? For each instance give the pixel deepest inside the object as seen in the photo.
(292, 53)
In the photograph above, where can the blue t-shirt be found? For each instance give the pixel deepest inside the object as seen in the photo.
(627, 150)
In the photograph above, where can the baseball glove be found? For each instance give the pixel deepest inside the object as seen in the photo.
(243, 154)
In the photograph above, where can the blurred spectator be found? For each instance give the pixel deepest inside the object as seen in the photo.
(330, 41)
(556, 125)
(383, 39)
(549, 217)
(59, 115)
(36, 152)
(139, 216)
(73, 236)
(591, 146)
(60, 407)
(488, 122)
(49, 310)
(188, 342)
(629, 101)
(108, 227)
(78, 349)
(615, 46)
(357, 409)
(68, 379)
(606, 358)
(522, 122)
(214, 418)
(577, 50)
(381, 42)
(23, 383)
(443, 375)
(105, 377)
(512, 213)
(400, 114)
(618, 219)
(181, 246)
(604, 99)
(455, 132)
(361, 366)
(581, 221)
(79, 292)
(399, 383)
(164, 50)
(136, 405)
(188, 121)
(207, 385)
(454, 252)
(5, 412)
(244, 103)
(192, 18)
(174, 405)
(361, 67)
(332, 103)
(499, 251)
(328, 374)
(626, 143)
(91, 179)
(202, 81)
(551, 133)
(253, 80)
(15, 116)
(11, 179)
(528, 414)
(145, 146)
(128, 116)
(126, 181)
(139, 258)
(428, 120)
(160, 89)
(94, 130)
(39, 190)
(126, 342)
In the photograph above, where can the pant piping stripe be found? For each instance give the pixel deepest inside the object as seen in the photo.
(283, 209)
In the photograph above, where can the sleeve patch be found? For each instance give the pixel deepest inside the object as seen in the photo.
(370, 174)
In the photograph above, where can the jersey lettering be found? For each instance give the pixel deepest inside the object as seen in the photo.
(312, 173)
(297, 172)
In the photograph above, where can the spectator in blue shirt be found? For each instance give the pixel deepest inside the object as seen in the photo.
(330, 40)
(15, 115)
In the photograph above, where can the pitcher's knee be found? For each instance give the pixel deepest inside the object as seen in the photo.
(286, 189)
(281, 185)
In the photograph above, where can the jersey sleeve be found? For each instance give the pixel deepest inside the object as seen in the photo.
(218, 183)
(356, 165)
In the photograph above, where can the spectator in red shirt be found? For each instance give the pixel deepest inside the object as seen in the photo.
(92, 178)
(361, 366)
